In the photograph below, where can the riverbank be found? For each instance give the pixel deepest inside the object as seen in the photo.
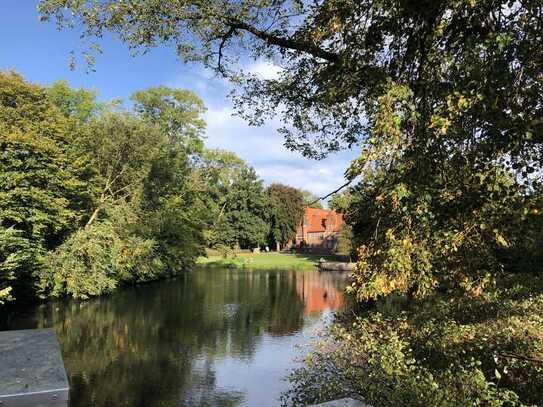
(266, 261)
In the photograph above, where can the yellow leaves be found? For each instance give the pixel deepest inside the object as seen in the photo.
(333, 26)
(5, 295)
(441, 124)
(400, 265)
(456, 104)
(391, 113)
(500, 239)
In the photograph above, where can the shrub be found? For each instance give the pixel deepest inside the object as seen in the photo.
(95, 260)
(447, 350)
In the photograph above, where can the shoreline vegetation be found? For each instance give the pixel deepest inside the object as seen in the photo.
(265, 261)
(95, 195)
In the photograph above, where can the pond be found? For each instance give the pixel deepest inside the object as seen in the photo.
(210, 337)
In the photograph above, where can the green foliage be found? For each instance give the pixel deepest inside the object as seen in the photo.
(216, 171)
(234, 199)
(244, 221)
(95, 260)
(457, 229)
(176, 111)
(91, 198)
(285, 206)
(143, 224)
(447, 350)
(341, 202)
(78, 104)
(310, 199)
(19, 259)
(345, 242)
(38, 182)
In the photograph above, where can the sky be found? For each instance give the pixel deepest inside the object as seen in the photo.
(41, 54)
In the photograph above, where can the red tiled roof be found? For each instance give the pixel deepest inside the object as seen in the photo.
(318, 219)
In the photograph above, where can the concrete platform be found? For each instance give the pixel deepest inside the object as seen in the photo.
(31, 370)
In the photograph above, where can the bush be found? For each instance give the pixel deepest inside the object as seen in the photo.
(447, 350)
(95, 260)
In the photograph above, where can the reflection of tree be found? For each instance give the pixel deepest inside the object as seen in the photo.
(156, 344)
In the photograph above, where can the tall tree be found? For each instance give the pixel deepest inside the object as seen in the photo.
(40, 191)
(285, 207)
(215, 173)
(245, 211)
(177, 111)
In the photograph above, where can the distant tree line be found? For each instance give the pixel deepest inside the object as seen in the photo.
(93, 195)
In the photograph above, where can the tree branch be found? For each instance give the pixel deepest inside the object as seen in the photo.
(331, 193)
(519, 357)
(225, 38)
(288, 43)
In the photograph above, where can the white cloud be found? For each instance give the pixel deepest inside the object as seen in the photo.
(265, 70)
(262, 147)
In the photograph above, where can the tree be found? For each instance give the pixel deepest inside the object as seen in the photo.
(91, 198)
(341, 202)
(144, 220)
(345, 242)
(245, 211)
(285, 206)
(78, 104)
(310, 199)
(233, 198)
(215, 173)
(40, 191)
(177, 111)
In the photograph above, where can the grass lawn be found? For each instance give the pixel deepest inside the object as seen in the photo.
(265, 261)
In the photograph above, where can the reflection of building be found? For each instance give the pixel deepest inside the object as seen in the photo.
(319, 292)
(319, 230)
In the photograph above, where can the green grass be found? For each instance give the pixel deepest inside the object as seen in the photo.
(265, 261)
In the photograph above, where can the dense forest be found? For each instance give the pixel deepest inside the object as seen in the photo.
(94, 195)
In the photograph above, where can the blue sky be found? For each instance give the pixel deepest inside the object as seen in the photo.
(42, 54)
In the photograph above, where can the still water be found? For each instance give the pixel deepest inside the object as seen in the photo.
(208, 338)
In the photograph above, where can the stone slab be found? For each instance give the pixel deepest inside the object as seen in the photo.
(31, 370)
(342, 403)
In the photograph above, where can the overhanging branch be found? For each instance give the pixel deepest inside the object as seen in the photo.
(282, 42)
(330, 194)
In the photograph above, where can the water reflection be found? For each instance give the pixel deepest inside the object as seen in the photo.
(217, 338)
(320, 292)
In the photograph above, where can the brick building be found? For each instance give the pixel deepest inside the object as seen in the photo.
(319, 230)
